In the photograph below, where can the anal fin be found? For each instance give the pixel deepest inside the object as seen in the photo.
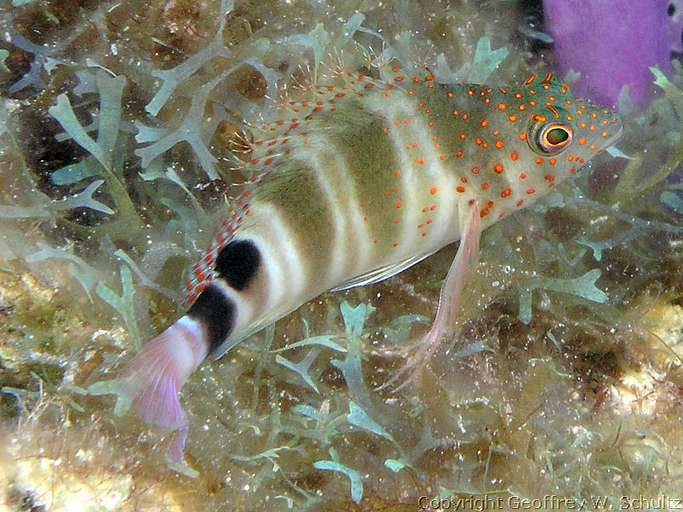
(380, 274)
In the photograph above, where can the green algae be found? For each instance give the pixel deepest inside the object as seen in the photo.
(556, 383)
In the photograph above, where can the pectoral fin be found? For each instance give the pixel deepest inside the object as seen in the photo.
(450, 299)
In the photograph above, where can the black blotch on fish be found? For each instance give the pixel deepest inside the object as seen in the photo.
(216, 313)
(238, 263)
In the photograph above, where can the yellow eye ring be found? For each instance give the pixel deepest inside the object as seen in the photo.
(555, 137)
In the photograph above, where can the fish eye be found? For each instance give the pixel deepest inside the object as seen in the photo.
(550, 138)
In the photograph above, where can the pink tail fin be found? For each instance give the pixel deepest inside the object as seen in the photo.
(152, 380)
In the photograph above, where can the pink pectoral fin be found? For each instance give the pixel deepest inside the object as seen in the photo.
(450, 299)
(450, 296)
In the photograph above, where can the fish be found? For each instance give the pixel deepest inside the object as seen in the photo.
(352, 182)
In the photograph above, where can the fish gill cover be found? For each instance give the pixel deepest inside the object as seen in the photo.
(122, 128)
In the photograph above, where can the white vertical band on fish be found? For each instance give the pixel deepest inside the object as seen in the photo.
(357, 229)
(327, 176)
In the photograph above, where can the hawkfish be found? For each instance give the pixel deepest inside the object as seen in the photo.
(352, 182)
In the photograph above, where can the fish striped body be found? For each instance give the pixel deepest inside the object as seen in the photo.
(355, 181)
(365, 175)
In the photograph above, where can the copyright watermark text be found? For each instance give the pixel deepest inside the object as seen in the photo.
(548, 502)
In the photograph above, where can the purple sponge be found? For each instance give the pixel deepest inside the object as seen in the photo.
(612, 43)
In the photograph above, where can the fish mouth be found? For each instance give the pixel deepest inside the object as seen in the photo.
(615, 138)
(618, 123)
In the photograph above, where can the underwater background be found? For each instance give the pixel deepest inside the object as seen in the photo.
(120, 139)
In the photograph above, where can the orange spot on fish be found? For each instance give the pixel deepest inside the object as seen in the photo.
(434, 191)
(531, 191)
(460, 189)
(502, 107)
(514, 156)
(523, 176)
(476, 170)
(500, 144)
(506, 193)
(499, 169)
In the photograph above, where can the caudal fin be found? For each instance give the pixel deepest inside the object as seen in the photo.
(152, 380)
